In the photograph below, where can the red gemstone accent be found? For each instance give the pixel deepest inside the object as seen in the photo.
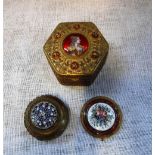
(74, 65)
(75, 44)
(56, 55)
(95, 55)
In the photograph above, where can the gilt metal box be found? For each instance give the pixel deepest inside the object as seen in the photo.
(76, 52)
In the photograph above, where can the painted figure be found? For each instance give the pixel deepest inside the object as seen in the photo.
(75, 47)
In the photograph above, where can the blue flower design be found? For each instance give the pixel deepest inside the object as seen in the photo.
(44, 115)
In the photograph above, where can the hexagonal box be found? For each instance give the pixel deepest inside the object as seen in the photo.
(76, 52)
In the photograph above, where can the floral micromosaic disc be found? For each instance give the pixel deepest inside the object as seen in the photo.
(101, 116)
(44, 115)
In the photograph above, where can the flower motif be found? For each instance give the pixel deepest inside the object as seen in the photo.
(95, 35)
(101, 116)
(56, 55)
(74, 65)
(95, 55)
(44, 115)
(101, 113)
(77, 26)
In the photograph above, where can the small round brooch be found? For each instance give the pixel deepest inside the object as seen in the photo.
(101, 117)
(46, 117)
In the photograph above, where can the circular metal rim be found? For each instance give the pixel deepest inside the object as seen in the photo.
(96, 133)
(54, 131)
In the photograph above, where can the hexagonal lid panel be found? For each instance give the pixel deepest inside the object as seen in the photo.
(76, 48)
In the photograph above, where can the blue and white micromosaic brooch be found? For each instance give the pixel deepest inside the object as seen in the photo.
(46, 117)
(101, 116)
(43, 115)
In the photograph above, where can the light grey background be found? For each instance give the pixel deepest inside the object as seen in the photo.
(126, 77)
